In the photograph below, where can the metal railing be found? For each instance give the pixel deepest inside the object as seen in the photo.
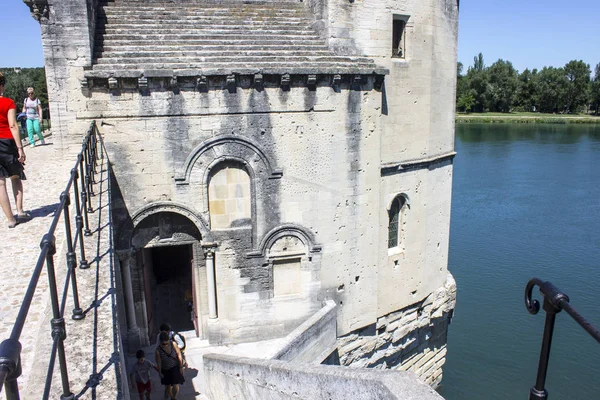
(554, 302)
(80, 188)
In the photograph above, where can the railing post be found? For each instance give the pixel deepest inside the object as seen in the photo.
(71, 258)
(87, 231)
(10, 367)
(553, 300)
(538, 392)
(95, 140)
(83, 264)
(58, 322)
(88, 177)
(93, 164)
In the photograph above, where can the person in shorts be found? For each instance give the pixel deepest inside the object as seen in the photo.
(12, 159)
(140, 375)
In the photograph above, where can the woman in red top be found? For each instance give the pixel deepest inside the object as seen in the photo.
(12, 158)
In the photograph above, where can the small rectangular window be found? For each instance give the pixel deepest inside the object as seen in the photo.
(399, 36)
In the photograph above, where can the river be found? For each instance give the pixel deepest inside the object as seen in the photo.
(526, 202)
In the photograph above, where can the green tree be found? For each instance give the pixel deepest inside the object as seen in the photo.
(577, 74)
(502, 86)
(465, 102)
(477, 83)
(478, 63)
(526, 98)
(596, 89)
(462, 85)
(553, 86)
(19, 79)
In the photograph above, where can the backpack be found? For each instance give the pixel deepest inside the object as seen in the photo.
(181, 337)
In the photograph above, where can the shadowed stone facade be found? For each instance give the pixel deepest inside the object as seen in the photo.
(273, 139)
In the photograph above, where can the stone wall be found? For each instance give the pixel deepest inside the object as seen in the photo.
(411, 339)
(299, 133)
(67, 28)
(241, 378)
(325, 163)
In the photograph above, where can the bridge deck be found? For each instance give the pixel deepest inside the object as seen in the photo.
(90, 342)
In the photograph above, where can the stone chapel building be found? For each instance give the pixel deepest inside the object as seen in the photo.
(268, 156)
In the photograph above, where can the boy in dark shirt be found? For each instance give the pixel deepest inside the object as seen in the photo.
(140, 375)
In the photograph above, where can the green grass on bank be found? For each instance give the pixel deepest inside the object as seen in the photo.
(526, 118)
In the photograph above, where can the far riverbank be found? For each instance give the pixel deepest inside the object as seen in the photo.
(526, 118)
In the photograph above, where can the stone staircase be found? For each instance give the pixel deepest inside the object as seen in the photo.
(213, 38)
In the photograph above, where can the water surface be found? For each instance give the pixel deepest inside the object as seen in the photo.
(526, 202)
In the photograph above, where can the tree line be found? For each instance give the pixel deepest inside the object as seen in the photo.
(501, 88)
(19, 79)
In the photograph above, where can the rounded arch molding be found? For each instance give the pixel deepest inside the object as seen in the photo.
(391, 198)
(305, 235)
(127, 230)
(220, 148)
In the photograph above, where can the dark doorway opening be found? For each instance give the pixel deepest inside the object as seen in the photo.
(170, 275)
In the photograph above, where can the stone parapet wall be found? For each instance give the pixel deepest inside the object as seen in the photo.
(232, 377)
(312, 341)
(411, 339)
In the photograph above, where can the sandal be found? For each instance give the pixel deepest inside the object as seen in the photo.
(24, 217)
(13, 224)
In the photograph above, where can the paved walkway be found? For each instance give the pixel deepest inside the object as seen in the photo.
(90, 345)
(19, 248)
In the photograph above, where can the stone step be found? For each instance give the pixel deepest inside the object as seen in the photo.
(201, 13)
(203, 6)
(214, 53)
(190, 38)
(199, 29)
(200, 22)
(221, 11)
(249, 59)
(193, 37)
(214, 45)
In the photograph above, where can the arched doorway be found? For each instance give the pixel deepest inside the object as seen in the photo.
(169, 264)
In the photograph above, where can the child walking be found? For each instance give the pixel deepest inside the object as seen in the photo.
(140, 375)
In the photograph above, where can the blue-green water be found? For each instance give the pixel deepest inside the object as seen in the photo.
(526, 202)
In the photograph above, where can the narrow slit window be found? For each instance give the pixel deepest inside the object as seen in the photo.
(397, 222)
(393, 224)
(399, 37)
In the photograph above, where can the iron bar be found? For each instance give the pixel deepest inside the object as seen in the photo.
(554, 302)
(88, 180)
(84, 197)
(83, 264)
(94, 162)
(12, 389)
(58, 322)
(71, 258)
(589, 328)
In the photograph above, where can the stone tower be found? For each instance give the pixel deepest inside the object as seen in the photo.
(270, 156)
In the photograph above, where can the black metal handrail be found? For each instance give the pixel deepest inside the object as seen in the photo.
(554, 302)
(80, 185)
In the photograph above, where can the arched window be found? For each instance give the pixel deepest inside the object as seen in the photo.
(229, 196)
(396, 222)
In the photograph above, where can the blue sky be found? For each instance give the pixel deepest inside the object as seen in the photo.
(529, 33)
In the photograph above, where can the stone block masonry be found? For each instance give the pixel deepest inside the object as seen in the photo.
(411, 339)
(321, 131)
(246, 378)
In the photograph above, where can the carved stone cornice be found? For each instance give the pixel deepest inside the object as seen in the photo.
(39, 9)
